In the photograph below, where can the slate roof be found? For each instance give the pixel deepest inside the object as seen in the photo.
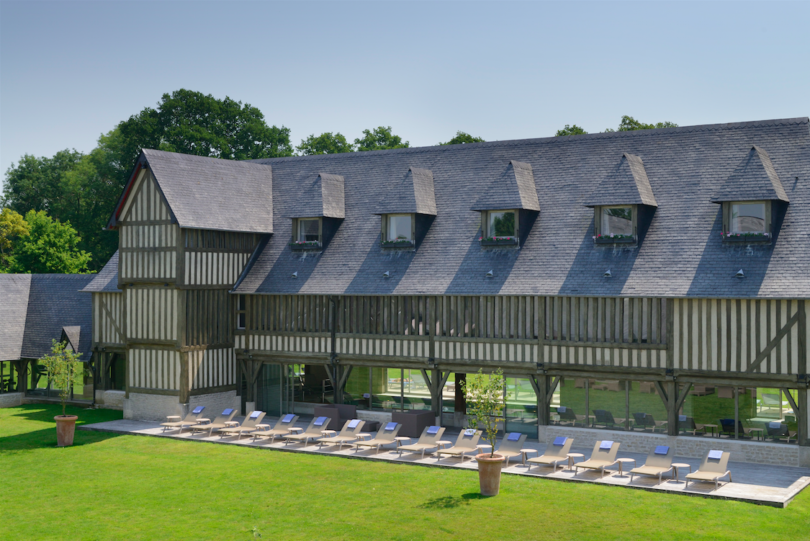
(412, 195)
(682, 254)
(320, 196)
(627, 184)
(208, 193)
(514, 189)
(37, 308)
(107, 279)
(754, 179)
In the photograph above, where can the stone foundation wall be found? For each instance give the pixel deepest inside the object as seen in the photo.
(151, 407)
(9, 400)
(111, 400)
(214, 403)
(780, 454)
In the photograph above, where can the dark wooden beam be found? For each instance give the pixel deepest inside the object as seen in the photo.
(774, 342)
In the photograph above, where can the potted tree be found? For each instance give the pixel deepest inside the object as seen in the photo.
(484, 408)
(64, 371)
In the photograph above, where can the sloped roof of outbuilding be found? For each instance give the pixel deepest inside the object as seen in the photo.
(107, 278)
(682, 254)
(14, 289)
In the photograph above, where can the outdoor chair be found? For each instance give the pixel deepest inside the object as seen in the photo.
(221, 421)
(348, 434)
(281, 428)
(713, 468)
(567, 415)
(385, 436)
(556, 453)
(248, 425)
(779, 431)
(603, 456)
(687, 425)
(188, 420)
(316, 426)
(727, 428)
(605, 418)
(429, 440)
(645, 421)
(771, 402)
(511, 445)
(467, 442)
(659, 462)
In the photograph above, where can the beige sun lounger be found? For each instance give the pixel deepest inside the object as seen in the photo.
(313, 431)
(427, 441)
(248, 425)
(556, 453)
(659, 462)
(511, 445)
(603, 456)
(385, 436)
(221, 421)
(281, 428)
(713, 467)
(188, 420)
(467, 442)
(348, 434)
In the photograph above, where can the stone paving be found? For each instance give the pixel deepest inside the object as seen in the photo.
(754, 483)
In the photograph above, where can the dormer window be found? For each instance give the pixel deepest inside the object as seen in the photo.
(615, 223)
(307, 233)
(747, 221)
(500, 227)
(398, 230)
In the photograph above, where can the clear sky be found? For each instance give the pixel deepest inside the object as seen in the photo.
(70, 71)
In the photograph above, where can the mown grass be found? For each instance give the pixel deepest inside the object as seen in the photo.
(135, 487)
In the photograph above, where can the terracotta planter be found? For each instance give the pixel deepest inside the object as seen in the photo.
(489, 473)
(65, 427)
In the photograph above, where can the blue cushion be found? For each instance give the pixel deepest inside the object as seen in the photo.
(774, 424)
(433, 429)
(661, 450)
(514, 436)
(559, 441)
(319, 421)
(227, 412)
(682, 418)
(255, 414)
(353, 423)
(198, 409)
(391, 426)
(606, 444)
(715, 455)
(288, 418)
(561, 409)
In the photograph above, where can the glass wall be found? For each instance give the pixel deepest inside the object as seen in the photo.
(40, 384)
(8, 377)
(647, 411)
(521, 406)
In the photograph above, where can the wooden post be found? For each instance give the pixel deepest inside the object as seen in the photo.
(802, 418)
(671, 388)
(185, 384)
(460, 404)
(803, 415)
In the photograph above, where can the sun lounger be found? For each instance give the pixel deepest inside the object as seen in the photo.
(567, 415)
(646, 421)
(556, 453)
(467, 442)
(248, 425)
(281, 428)
(348, 434)
(605, 418)
(385, 436)
(687, 424)
(427, 441)
(779, 431)
(659, 462)
(312, 432)
(712, 469)
(727, 428)
(221, 421)
(603, 456)
(511, 445)
(188, 420)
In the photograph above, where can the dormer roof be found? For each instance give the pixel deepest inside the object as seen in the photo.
(625, 184)
(514, 189)
(412, 195)
(72, 335)
(754, 179)
(321, 196)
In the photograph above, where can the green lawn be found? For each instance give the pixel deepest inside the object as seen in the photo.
(130, 487)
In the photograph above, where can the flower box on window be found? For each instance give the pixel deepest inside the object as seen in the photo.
(614, 239)
(499, 241)
(305, 245)
(398, 243)
(745, 237)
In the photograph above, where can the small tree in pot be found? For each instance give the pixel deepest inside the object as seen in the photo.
(64, 371)
(484, 408)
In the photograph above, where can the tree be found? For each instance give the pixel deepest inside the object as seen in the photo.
(50, 247)
(379, 139)
(629, 123)
(12, 226)
(34, 183)
(64, 370)
(462, 138)
(485, 403)
(570, 130)
(325, 143)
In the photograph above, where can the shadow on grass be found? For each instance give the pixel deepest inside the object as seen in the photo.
(451, 502)
(27, 437)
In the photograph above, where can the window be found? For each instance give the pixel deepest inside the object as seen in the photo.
(615, 224)
(398, 230)
(241, 311)
(747, 221)
(306, 233)
(500, 227)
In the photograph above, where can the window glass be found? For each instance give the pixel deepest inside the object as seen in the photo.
(308, 231)
(617, 221)
(748, 218)
(502, 223)
(399, 227)
(521, 406)
(240, 314)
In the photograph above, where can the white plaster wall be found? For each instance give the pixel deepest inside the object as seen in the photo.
(150, 407)
(9, 400)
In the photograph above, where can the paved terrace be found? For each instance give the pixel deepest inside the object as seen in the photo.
(761, 484)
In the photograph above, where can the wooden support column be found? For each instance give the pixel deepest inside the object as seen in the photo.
(803, 415)
(185, 383)
(460, 405)
(671, 399)
(802, 418)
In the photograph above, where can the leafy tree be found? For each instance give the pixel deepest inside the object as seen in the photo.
(379, 139)
(12, 226)
(34, 183)
(64, 370)
(629, 123)
(485, 403)
(325, 143)
(50, 247)
(462, 138)
(570, 130)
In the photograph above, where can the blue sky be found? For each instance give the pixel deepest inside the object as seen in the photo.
(70, 71)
